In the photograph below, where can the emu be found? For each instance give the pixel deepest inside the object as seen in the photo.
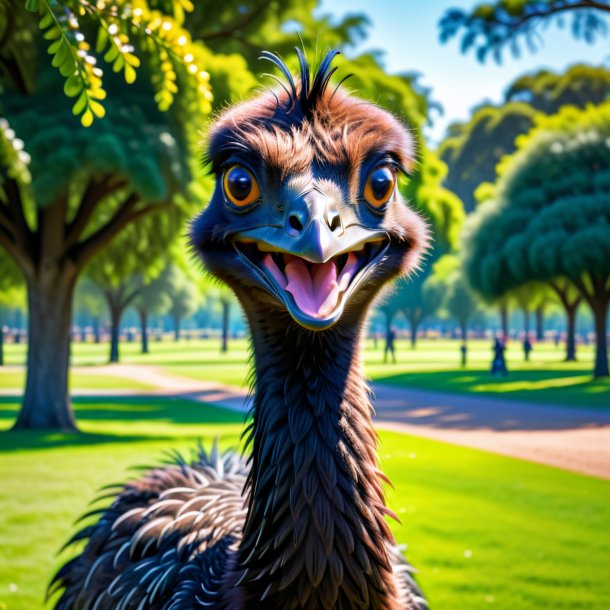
(307, 226)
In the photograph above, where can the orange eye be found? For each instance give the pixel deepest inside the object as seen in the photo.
(379, 186)
(240, 186)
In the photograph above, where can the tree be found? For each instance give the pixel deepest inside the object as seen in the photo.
(455, 296)
(89, 301)
(11, 293)
(570, 299)
(421, 299)
(184, 295)
(551, 217)
(87, 185)
(235, 27)
(473, 149)
(127, 266)
(548, 91)
(489, 28)
(153, 298)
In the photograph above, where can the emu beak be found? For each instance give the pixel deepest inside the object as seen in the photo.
(315, 269)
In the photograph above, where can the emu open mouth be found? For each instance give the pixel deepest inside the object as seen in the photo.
(314, 293)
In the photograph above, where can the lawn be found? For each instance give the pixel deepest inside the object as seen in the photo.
(433, 365)
(12, 378)
(483, 530)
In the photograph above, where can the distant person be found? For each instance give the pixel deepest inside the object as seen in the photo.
(464, 354)
(390, 337)
(498, 365)
(527, 348)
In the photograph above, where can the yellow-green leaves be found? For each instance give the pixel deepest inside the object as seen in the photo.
(72, 58)
(13, 156)
(125, 29)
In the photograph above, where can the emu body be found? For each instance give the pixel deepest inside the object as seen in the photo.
(306, 225)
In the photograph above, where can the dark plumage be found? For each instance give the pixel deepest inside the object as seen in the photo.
(307, 226)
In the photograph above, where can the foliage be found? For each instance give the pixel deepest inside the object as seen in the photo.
(548, 91)
(474, 148)
(126, 35)
(491, 27)
(242, 28)
(551, 216)
(421, 298)
(185, 298)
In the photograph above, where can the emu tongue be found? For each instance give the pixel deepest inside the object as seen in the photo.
(316, 288)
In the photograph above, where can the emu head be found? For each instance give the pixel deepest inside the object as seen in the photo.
(306, 216)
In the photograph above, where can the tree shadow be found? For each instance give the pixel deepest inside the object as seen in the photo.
(123, 411)
(570, 388)
(432, 405)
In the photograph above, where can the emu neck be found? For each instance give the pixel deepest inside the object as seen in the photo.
(315, 536)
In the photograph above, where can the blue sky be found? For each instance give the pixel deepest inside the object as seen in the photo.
(407, 32)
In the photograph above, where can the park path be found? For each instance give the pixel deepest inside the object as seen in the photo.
(570, 438)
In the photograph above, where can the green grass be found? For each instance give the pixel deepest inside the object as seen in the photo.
(15, 379)
(433, 365)
(484, 531)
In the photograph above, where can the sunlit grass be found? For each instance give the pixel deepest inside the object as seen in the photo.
(433, 365)
(484, 531)
(15, 378)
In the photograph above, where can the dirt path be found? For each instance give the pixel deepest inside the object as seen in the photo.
(569, 438)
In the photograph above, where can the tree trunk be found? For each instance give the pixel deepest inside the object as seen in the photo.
(600, 314)
(571, 332)
(115, 327)
(598, 299)
(464, 330)
(540, 323)
(46, 403)
(504, 319)
(96, 329)
(144, 329)
(225, 326)
(176, 328)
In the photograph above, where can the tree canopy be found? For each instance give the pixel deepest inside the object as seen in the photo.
(550, 217)
(120, 34)
(489, 28)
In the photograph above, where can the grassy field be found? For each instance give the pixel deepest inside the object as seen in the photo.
(484, 531)
(434, 365)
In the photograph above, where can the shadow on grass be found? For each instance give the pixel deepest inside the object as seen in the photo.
(568, 388)
(121, 412)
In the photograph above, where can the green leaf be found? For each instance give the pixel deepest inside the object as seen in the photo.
(73, 85)
(102, 40)
(80, 104)
(111, 54)
(31, 5)
(54, 47)
(118, 64)
(53, 33)
(62, 55)
(46, 21)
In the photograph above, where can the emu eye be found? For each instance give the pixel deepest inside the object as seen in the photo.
(379, 186)
(240, 186)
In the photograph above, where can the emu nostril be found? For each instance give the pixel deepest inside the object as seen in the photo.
(295, 222)
(334, 222)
